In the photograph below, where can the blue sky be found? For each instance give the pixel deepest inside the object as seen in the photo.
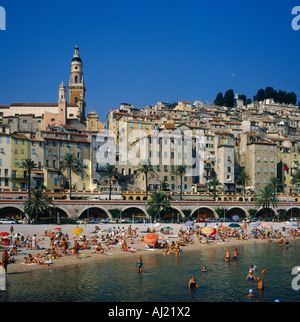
(144, 51)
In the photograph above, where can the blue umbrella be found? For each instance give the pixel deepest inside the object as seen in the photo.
(235, 217)
(189, 223)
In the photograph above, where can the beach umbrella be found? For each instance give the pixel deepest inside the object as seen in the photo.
(208, 230)
(167, 228)
(234, 225)
(235, 217)
(157, 225)
(151, 238)
(58, 228)
(223, 228)
(189, 223)
(4, 234)
(283, 224)
(77, 230)
(253, 224)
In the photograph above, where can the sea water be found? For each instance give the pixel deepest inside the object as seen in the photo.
(165, 278)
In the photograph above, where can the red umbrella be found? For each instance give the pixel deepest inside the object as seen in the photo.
(151, 238)
(4, 234)
(57, 229)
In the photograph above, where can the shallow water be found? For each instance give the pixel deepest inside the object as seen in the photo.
(165, 278)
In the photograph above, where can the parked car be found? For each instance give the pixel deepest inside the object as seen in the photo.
(81, 221)
(9, 221)
(202, 220)
(215, 220)
(94, 221)
(294, 219)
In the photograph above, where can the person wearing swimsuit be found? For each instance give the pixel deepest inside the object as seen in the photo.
(250, 276)
(227, 255)
(139, 264)
(192, 283)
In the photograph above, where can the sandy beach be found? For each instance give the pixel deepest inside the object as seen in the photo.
(86, 255)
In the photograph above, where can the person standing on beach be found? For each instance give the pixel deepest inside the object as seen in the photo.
(33, 242)
(5, 260)
(64, 246)
(76, 249)
(11, 229)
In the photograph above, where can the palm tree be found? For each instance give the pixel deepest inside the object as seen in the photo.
(72, 164)
(296, 177)
(275, 184)
(110, 173)
(159, 202)
(243, 179)
(28, 165)
(265, 198)
(38, 204)
(180, 171)
(215, 185)
(146, 168)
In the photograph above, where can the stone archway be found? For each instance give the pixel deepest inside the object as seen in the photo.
(265, 213)
(94, 212)
(203, 213)
(12, 212)
(237, 211)
(133, 211)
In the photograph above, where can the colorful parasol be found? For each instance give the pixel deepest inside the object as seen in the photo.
(209, 231)
(151, 238)
(77, 230)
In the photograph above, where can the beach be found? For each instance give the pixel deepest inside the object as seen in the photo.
(88, 255)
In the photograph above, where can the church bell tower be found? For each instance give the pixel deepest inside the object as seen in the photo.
(76, 85)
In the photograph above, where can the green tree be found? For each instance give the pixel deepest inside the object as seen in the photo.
(242, 97)
(219, 99)
(260, 96)
(269, 92)
(275, 184)
(110, 173)
(295, 177)
(159, 202)
(214, 184)
(266, 198)
(72, 164)
(146, 169)
(28, 165)
(39, 204)
(229, 98)
(243, 179)
(180, 170)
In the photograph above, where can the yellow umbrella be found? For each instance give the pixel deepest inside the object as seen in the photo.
(77, 230)
(207, 230)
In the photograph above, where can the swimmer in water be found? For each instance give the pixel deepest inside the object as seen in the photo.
(260, 283)
(193, 283)
(234, 254)
(250, 293)
(227, 255)
(250, 276)
(263, 271)
(139, 264)
(204, 269)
